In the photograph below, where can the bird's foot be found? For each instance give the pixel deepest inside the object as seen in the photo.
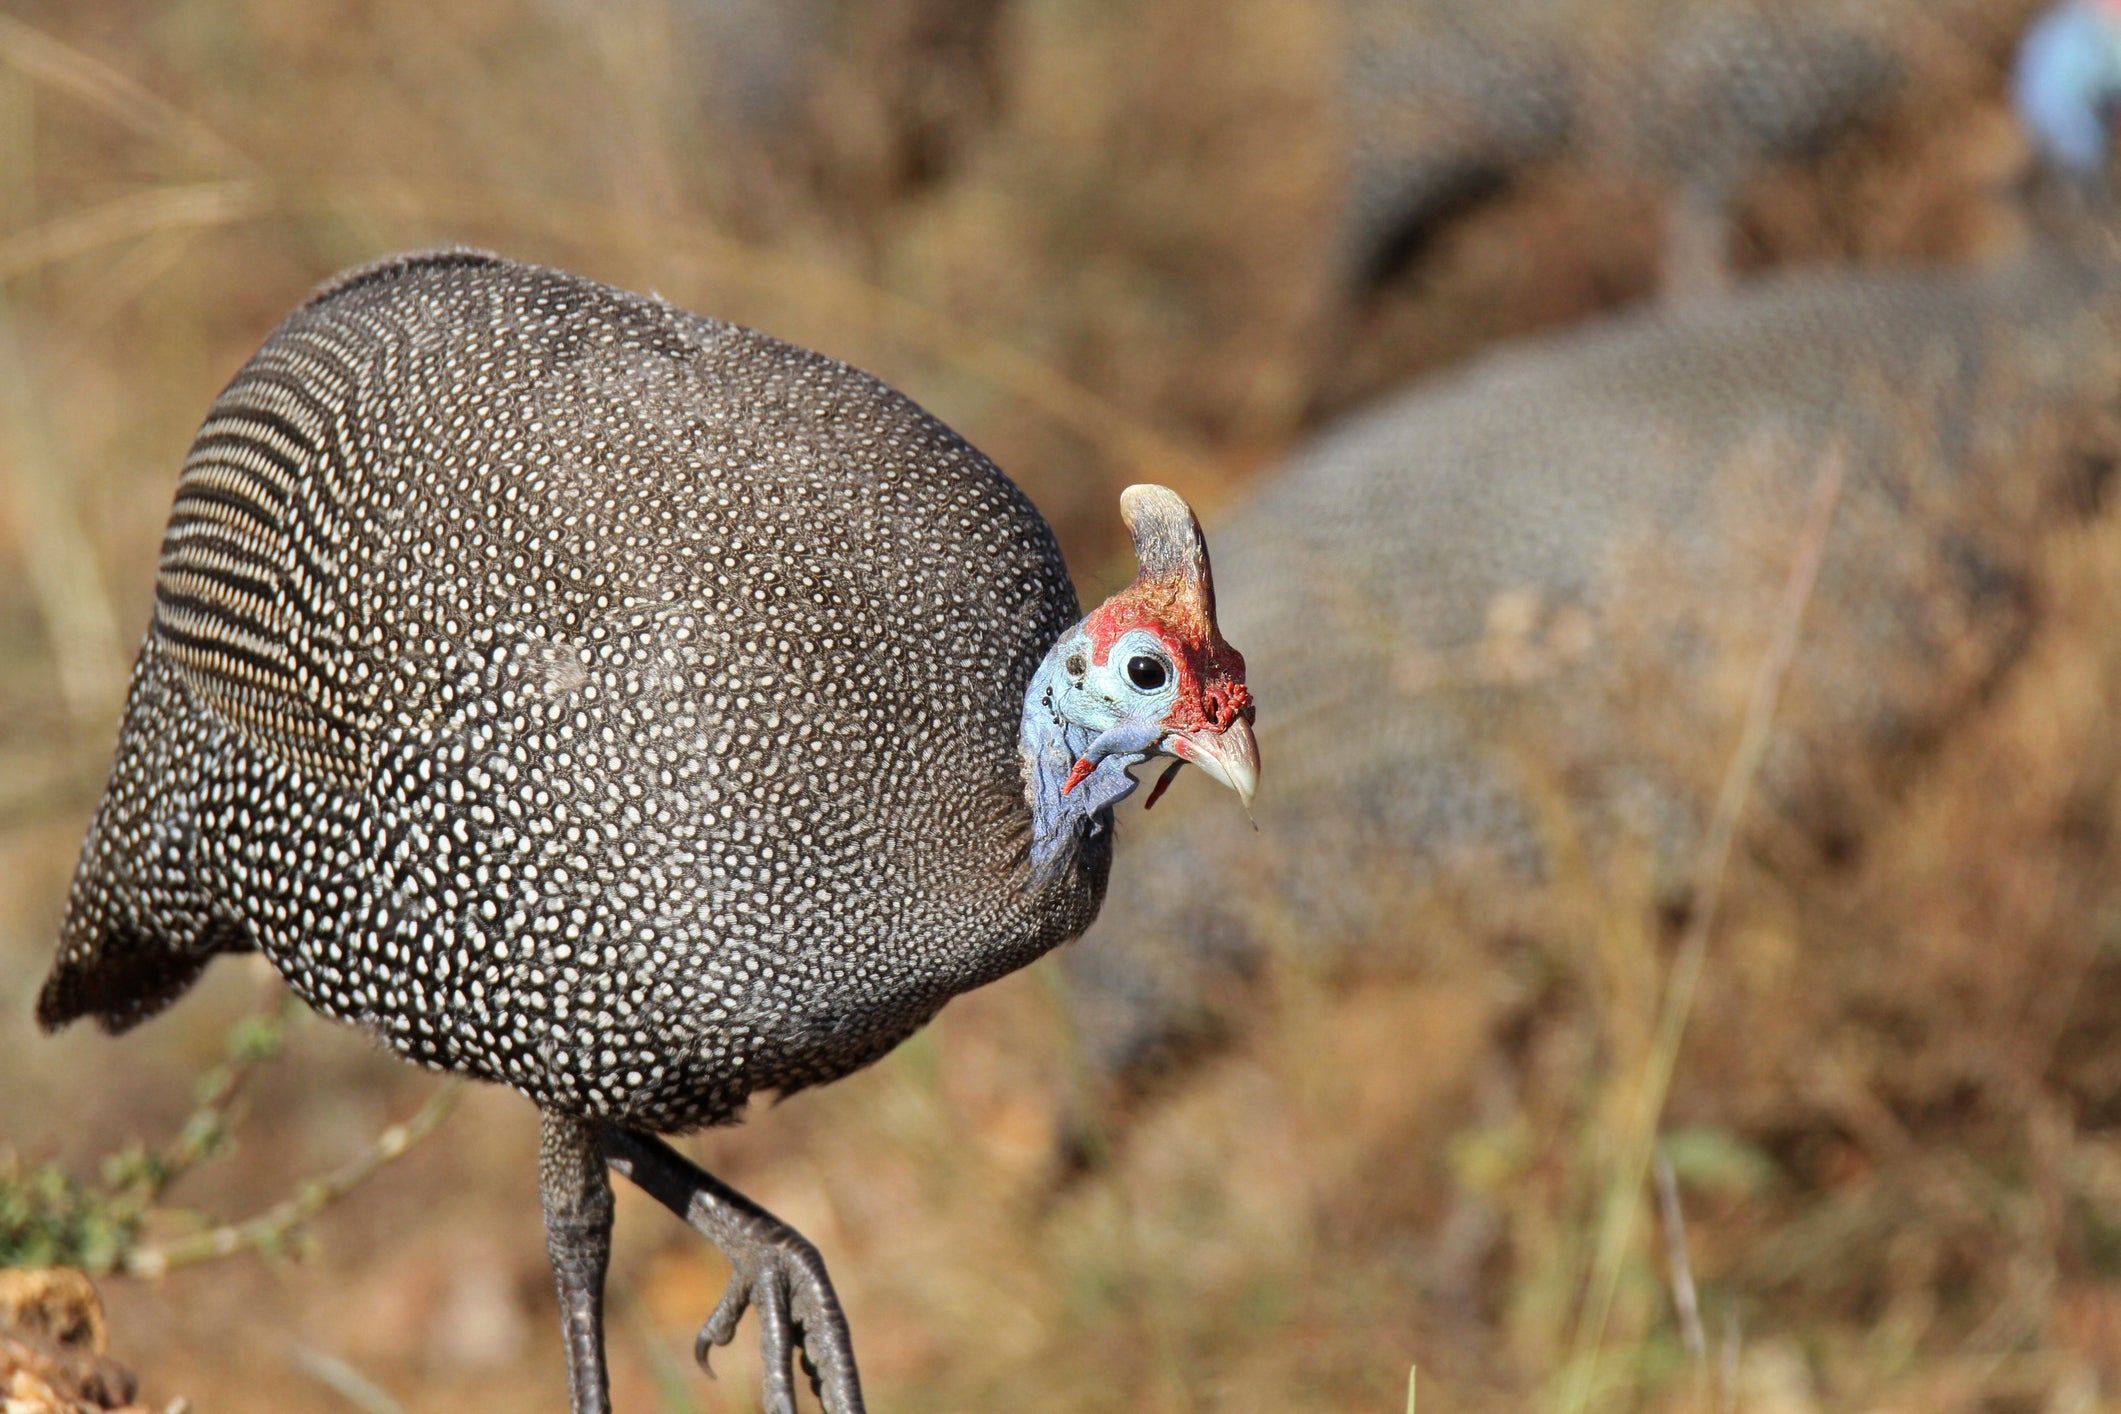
(780, 1274)
(776, 1270)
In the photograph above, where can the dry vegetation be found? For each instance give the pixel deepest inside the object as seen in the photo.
(1890, 1147)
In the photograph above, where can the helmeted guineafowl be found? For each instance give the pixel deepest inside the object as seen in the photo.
(1443, 110)
(629, 708)
(1564, 555)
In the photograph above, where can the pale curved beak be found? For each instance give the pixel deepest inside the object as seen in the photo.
(1232, 757)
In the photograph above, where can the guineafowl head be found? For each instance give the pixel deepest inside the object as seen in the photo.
(2067, 86)
(1147, 673)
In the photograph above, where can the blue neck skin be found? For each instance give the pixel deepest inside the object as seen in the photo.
(1064, 723)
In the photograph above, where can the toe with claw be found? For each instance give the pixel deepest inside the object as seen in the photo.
(781, 1275)
(776, 1271)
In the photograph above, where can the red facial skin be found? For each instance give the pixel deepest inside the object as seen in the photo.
(1156, 792)
(1211, 674)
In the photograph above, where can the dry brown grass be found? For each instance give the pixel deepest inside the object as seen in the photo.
(1892, 1119)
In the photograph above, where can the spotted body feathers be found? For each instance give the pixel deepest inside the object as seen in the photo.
(581, 694)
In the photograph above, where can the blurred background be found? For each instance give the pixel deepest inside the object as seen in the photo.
(1656, 454)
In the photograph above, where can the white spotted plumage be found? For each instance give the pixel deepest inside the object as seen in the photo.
(581, 694)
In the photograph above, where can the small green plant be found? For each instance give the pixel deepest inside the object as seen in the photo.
(52, 1217)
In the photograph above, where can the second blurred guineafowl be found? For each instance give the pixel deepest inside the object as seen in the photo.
(627, 708)
(1562, 558)
(1441, 115)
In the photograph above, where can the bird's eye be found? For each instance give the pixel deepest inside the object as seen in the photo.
(1147, 673)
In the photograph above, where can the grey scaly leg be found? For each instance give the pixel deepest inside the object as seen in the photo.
(577, 1195)
(777, 1270)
